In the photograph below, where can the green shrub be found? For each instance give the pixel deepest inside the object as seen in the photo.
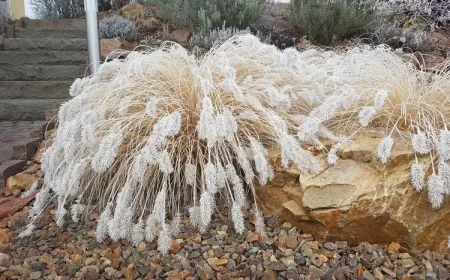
(209, 14)
(325, 20)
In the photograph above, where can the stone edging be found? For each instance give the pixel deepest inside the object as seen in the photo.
(21, 153)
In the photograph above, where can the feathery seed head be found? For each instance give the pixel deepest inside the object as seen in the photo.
(384, 149)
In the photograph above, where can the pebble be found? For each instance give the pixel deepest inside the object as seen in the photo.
(35, 275)
(330, 246)
(368, 276)
(284, 253)
(378, 274)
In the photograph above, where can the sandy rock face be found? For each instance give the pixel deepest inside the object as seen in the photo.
(359, 199)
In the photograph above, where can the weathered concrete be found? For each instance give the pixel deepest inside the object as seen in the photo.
(49, 33)
(34, 89)
(27, 109)
(43, 57)
(41, 72)
(50, 44)
(55, 24)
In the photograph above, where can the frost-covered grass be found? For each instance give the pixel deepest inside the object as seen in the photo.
(164, 130)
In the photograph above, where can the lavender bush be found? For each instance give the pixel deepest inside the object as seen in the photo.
(117, 27)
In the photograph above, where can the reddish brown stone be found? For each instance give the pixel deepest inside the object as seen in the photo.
(10, 205)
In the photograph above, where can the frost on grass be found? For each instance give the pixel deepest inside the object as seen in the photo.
(164, 130)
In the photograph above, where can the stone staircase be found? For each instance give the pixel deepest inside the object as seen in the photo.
(38, 63)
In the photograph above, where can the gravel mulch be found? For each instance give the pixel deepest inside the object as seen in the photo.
(71, 252)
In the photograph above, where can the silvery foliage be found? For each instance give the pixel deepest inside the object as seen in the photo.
(4, 10)
(435, 12)
(117, 27)
(46, 9)
(89, 139)
(205, 39)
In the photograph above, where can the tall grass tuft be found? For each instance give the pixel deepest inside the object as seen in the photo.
(164, 130)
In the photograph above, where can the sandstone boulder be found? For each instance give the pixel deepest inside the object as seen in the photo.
(19, 182)
(148, 25)
(181, 35)
(359, 199)
(107, 46)
(134, 10)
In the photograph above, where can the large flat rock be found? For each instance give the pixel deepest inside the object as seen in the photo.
(359, 199)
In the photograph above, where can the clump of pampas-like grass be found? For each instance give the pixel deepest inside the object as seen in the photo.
(163, 130)
(392, 94)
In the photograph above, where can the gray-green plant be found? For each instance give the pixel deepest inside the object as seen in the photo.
(117, 27)
(207, 39)
(203, 15)
(324, 21)
(48, 9)
(4, 10)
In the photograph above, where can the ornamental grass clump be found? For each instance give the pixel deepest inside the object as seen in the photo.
(163, 130)
(389, 93)
(146, 137)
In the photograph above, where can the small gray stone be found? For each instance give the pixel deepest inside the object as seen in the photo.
(277, 266)
(316, 271)
(368, 276)
(330, 246)
(406, 263)
(35, 275)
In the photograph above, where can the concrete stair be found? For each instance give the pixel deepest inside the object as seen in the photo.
(45, 44)
(43, 57)
(49, 33)
(38, 65)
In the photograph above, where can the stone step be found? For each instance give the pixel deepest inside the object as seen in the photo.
(55, 24)
(41, 72)
(27, 109)
(49, 33)
(47, 44)
(34, 89)
(49, 57)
